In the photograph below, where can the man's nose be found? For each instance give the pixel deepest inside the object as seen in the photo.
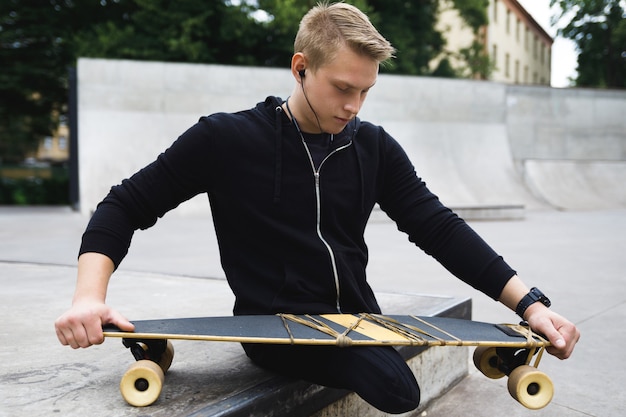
(354, 104)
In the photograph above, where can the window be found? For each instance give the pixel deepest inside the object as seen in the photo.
(495, 11)
(508, 22)
(549, 59)
(517, 71)
(494, 55)
(517, 26)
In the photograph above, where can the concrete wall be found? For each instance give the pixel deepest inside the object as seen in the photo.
(570, 124)
(473, 142)
(570, 145)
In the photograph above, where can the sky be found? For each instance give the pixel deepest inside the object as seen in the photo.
(563, 50)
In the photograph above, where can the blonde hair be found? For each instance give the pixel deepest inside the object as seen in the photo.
(327, 27)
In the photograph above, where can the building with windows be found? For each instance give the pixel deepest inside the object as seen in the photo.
(518, 47)
(55, 148)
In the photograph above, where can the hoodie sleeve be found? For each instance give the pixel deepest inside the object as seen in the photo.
(177, 175)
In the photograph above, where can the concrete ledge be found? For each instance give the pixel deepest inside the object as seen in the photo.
(436, 371)
(491, 212)
(478, 212)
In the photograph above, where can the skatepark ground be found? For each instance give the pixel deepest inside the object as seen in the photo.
(576, 257)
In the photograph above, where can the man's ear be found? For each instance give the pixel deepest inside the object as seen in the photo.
(298, 64)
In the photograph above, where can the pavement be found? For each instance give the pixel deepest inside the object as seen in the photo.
(576, 257)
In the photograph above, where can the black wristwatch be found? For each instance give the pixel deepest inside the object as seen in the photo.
(535, 295)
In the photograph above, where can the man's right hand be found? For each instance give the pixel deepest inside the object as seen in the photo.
(81, 325)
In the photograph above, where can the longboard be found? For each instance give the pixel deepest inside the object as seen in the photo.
(502, 349)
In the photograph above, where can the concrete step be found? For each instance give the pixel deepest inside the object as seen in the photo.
(478, 212)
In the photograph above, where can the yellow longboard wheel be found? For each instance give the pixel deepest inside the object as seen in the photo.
(167, 357)
(530, 387)
(486, 361)
(142, 383)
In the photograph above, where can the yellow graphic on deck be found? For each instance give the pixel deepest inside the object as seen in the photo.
(363, 327)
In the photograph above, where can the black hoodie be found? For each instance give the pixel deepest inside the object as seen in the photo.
(290, 235)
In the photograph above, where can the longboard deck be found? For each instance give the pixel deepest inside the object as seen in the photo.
(502, 349)
(336, 329)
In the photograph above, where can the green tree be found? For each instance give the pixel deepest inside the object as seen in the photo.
(598, 27)
(41, 39)
(473, 12)
(31, 80)
(478, 64)
(36, 49)
(176, 31)
(472, 61)
(410, 27)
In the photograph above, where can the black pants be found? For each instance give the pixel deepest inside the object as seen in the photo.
(379, 375)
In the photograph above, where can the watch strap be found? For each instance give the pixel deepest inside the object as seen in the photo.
(533, 296)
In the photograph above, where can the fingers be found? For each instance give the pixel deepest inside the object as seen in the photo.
(566, 336)
(120, 321)
(562, 334)
(78, 332)
(81, 326)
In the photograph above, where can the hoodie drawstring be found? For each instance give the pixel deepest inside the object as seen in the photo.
(355, 129)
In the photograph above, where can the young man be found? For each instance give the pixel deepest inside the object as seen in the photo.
(291, 186)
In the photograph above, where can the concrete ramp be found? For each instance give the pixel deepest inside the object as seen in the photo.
(465, 164)
(484, 148)
(578, 185)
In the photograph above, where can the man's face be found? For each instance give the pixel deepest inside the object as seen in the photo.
(336, 91)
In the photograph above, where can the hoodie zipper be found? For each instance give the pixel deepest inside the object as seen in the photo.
(316, 174)
(331, 253)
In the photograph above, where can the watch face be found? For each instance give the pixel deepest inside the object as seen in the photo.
(533, 296)
(539, 296)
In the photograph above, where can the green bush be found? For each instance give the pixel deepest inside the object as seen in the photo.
(36, 191)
